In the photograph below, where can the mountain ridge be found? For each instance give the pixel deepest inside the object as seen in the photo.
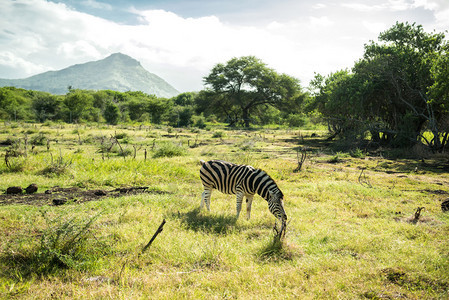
(118, 72)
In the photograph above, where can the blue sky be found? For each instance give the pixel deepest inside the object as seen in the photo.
(182, 40)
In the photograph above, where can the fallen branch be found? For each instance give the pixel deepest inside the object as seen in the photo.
(363, 179)
(178, 273)
(159, 230)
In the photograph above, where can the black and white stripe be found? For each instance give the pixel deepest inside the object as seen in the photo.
(241, 180)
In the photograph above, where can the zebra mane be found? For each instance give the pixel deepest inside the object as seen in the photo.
(270, 178)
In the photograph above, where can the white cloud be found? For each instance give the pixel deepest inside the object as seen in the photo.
(388, 5)
(319, 6)
(440, 9)
(375, 27)
(362, 7)
(96, 4)
(37, 35)
(321, 21)
(13, 61)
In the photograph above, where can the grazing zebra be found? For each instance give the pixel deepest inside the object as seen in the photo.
(241, 180)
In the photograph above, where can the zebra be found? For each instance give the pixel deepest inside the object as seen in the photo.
(241, 180)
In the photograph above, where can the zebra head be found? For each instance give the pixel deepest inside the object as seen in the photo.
(276, 205)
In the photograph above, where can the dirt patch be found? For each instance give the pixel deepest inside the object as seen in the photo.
(60, 196)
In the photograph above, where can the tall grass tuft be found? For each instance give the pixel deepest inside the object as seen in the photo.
(65, 243)
(168, 149)
(57, 167)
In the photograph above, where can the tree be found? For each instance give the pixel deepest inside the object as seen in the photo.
(241, 85)
(339, 98)
(397, 91)
(15, 104)
(77, 102)
(46, 106)
(111, 113)
(398, 70)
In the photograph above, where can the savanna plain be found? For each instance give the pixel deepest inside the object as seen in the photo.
(362, 224)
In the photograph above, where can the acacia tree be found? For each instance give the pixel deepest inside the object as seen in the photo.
(241, 85)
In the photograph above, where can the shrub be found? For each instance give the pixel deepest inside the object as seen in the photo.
(39, 140)
(168, 149)
(122, 135)
(357, 153)
(296, 120)
(57, 167)
(218, 134)
(199, 122)
(65, 242)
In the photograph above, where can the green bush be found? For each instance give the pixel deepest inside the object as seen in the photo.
(65, 242)
(168, 149)
(357, 153)
(218, 134)
(39, 140)
(57, 167)
(296, 120)
(199, 122)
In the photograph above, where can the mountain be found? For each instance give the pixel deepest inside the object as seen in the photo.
(117, 72)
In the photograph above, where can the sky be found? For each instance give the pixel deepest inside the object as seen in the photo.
(181, 41)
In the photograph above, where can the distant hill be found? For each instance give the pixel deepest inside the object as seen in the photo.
(117, 72)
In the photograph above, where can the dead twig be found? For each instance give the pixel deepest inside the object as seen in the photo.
(159, 230)
(417, 214)
(300, 160)
(120, 146)
(363, 179)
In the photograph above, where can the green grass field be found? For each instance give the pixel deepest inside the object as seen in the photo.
(351, 234)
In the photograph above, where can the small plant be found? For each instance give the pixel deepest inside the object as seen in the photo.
(357, 153)
(57, 167)
(65, 243)
(336, 158)
(125, 152)
(218, 134)
(247, 145)
(39, 140)
(14, 163)
(168, 149)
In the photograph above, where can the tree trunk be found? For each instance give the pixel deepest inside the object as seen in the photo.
(245, 117)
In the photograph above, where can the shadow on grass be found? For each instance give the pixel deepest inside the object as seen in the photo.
(207, 222)
(278, 250)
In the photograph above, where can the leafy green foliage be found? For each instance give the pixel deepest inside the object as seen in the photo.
(243, 84)
(396, 91)
(57, 167)
(65, 243)
(168, 149)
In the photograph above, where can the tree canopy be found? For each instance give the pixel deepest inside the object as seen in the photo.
(243, 84)
(397, 90)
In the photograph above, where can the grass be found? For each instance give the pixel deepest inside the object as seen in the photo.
(345, 238)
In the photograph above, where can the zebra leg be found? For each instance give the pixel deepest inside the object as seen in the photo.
(205, 199)
(239, 195)
(249, 201)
